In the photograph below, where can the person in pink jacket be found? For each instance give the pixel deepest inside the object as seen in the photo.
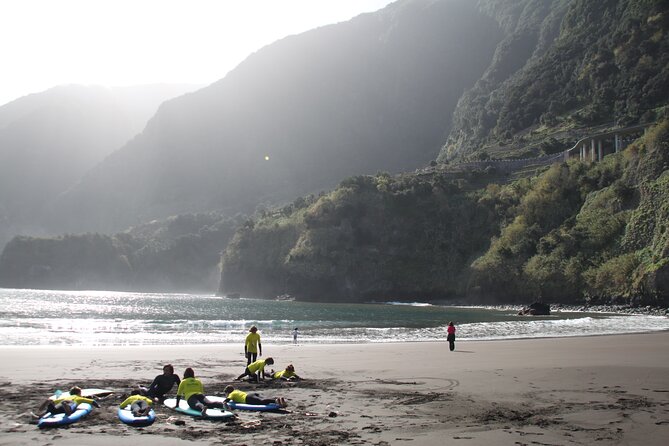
(451, 336)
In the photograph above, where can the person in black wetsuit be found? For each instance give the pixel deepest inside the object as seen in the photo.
(162, 384)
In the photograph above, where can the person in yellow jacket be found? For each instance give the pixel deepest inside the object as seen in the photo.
(256, 369)
(288, 374)
(140, 405)
(250, 398)
(66, 404)
(192, 390)
(252, 345)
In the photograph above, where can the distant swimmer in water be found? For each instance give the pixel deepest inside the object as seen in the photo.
(162, 384)
(252, 345)
(451, 336)
(256, 369)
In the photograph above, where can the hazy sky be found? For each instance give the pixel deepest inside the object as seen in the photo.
(44, 43)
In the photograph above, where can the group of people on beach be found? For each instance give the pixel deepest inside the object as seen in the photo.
(189, 388)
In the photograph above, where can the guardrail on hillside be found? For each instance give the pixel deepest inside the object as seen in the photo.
(589, 148)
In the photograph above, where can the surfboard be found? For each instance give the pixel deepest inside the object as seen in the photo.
(212, 414)
(86, 393)
(125, 415)
(60, 419)
(244, 406)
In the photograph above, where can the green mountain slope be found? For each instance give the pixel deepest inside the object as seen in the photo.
(578, 232)
(563, 66)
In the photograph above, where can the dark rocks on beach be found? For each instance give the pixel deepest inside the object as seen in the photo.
(536, 309)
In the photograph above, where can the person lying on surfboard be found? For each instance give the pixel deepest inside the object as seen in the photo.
(250, 398)
(256, 369)
(140, 406)
(288, 374)
(192, 390)
(66, 404)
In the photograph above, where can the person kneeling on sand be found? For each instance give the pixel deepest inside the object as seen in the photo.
(192, 390)
(140, 405)
(287, 375)
(256, 369)
(66, 404)
(250, 398)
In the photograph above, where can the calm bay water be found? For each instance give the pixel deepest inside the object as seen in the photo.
(42, 317)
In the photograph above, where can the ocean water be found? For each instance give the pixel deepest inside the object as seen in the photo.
(106, 318)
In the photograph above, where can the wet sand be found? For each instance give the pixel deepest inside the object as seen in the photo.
(585, 390)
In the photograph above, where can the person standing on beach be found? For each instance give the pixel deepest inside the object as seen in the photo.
(295, 336)
(252, 346)
(451, 336)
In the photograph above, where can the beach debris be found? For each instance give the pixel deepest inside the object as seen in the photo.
(251, 424)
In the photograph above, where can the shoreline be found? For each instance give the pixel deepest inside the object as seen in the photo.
(577, 390)
(225, 345)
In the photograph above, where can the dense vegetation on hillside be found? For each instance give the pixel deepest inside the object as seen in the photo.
(372, 237)
(564, 65)
(577, 232)
(377, 94)
(177, 254)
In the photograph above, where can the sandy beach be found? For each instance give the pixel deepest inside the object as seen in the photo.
(585, 390)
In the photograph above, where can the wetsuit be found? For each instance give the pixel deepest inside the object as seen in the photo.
(161, 385)
(251, 346)
(284, 374)
(242, 397)
(192, 391)
(56, 406)
(252, 369)
(138, 403)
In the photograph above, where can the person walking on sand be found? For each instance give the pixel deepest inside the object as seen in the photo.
(451, 336)
(295, 336)
(256, 369)
(252, 345)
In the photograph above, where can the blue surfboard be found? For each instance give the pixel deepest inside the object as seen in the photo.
(244, 406)
(60, 419)
(126, 415)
